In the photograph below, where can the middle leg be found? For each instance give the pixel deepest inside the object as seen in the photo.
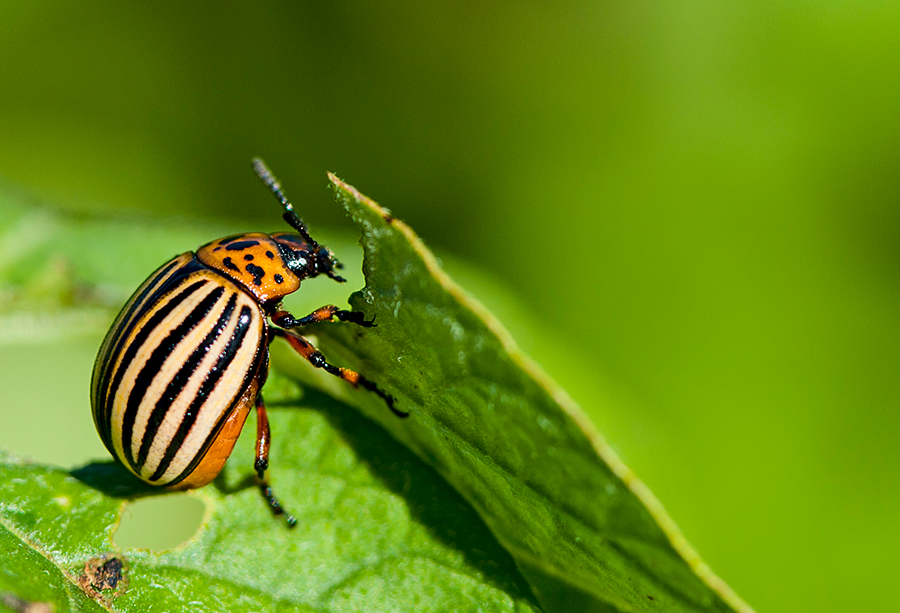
(263, 438)
(329, 312)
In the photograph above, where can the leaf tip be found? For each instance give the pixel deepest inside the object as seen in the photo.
(347, 193)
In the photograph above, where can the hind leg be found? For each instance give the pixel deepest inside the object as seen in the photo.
(263, 438)
(306, 349)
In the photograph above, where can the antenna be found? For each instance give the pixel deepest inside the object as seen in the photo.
(266, 176)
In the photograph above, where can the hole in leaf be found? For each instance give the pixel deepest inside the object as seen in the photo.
(159, 523)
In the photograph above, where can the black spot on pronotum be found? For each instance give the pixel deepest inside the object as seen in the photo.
(270, 255)
(230, 265)
(240, 245)
(257, 272)
(249, 257)
(279, 279)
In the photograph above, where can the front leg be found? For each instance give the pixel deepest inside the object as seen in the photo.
(329, 312)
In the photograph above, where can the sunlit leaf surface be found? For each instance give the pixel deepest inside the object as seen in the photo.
(495, 494)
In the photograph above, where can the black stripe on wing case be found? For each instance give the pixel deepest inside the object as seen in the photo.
(177, 383)
(151, 367)
(150, 295)
(124, 319)
(225, 359)
(112, 346)
(135, 345)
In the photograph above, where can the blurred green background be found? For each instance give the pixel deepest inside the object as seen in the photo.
(694, 204)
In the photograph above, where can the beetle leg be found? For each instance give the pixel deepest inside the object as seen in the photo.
(306, 349)
(263, 438)
(326, 313)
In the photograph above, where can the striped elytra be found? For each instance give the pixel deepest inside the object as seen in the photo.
(186, 358)
(174, 368)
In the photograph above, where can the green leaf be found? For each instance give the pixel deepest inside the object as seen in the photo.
(378, 530)
(580, 527)
(524, 499)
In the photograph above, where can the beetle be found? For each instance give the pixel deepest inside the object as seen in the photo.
(187, 357)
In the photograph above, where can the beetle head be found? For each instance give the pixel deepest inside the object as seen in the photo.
(302, 254)
(326, 263)
(307, 258)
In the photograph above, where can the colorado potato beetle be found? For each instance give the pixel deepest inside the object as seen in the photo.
(188, 355)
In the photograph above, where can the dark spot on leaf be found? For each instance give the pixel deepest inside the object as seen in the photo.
(249, 257)
(230, 265)
(106, 572)
(279, 279)
(240, 245)
(257, 272)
